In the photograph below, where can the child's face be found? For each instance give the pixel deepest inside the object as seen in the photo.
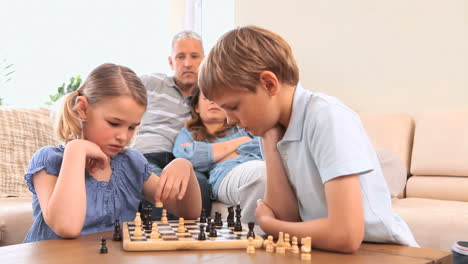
(254, 112)
(111, 123)
(210, 112)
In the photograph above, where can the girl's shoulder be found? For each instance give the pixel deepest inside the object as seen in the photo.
(49, 152)
(132, 157)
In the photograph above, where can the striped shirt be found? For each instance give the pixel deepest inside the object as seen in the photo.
(165, 116)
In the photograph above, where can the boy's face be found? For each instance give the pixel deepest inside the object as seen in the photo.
(254, 112)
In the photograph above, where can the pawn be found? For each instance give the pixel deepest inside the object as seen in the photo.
(202, 235)
(117, 231)
(164, 216)
(137, 219)
(294, 247)
(212, 229)
(103, 248)
(203, 216)
(287, 244)
(270, 247)
(138, 233)
(154, 230)
(181, 228)
(251, 247)
(251, 233)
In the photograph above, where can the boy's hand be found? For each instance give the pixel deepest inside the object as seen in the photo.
(173, 180)
(274, 134)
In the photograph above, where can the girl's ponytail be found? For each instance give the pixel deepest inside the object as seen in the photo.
(67, 122)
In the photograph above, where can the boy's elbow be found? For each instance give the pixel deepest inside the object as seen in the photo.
(349, 242)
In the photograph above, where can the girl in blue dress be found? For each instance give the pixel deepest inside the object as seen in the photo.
(94, 179)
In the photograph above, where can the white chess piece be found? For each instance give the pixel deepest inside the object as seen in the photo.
(251, 247)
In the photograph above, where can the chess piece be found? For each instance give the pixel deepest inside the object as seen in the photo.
(137, 219)
(218, 221)
(203, 216)
(280, 247)
(154, 230)
(117, 231)
(287, 244)
(251, 247)
(202, 235)
(181, 227)
(164, 216)
(159, 204)
(147, 218)
(294, 247)
(138, 233)
(251, 233)
(230, 218)
(212, 229)
(306, 248)
(270, 247)
(103, 248)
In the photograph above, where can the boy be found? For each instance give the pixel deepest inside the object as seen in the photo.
(323, 176)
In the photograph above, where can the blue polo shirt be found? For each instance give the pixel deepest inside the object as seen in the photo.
(325, 140)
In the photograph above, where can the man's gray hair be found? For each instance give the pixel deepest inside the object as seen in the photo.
(186, 34)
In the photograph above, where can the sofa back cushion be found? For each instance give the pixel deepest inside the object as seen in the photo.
(391, 132)
(22, 132)
(441, 144)
(440, 157)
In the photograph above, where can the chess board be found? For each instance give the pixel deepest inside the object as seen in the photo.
(171, 239)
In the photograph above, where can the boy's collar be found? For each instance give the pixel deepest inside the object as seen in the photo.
(296, 123)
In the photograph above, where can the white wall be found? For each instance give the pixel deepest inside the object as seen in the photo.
(50, 41)
(384, 56)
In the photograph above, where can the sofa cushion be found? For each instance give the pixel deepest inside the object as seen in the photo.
(15, 219)
(392, 132)
(23, 132)
(435, 223)
(441, 144)
(438, 187)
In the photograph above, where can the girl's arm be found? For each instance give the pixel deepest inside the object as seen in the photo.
(284, 206)
(185, 147)
(177, 188)
(63, 198)
(342, 230)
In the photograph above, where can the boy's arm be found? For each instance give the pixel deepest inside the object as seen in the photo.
(279, 195)
(177, 188)
(342, 230)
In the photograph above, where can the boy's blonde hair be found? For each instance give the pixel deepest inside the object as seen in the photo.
(106, 81)
(240, 55)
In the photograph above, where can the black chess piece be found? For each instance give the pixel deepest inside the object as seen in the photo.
(251, 233)
(147, 211)
(230, 218)
(103, 248)
(117, 231)
(203, 216)
(238, 225)
(202, 235)
(218, 221)
(212, 229)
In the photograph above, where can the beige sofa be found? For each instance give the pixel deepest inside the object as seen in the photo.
(424, 159)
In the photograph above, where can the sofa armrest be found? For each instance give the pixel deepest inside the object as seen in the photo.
(15, 219)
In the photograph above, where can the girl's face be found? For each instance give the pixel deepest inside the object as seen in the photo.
(112, 123)
(209, 112)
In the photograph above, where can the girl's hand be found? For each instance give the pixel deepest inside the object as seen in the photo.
(96, 159)
(174, 180)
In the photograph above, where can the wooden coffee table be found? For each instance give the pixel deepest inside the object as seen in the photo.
(85, 250)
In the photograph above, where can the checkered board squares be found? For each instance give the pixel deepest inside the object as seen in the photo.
(171, 239)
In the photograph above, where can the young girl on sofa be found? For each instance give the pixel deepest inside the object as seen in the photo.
(94, 179)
